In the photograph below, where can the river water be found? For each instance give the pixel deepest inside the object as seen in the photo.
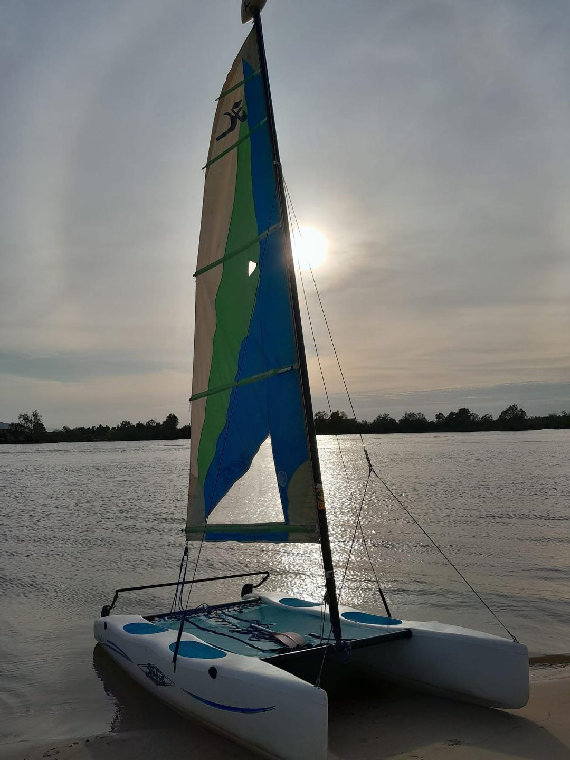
(79, 520)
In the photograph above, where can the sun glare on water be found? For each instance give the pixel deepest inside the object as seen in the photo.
(309, 248)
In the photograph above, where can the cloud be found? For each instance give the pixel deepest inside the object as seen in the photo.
(72, 368)
(428, 140)
(93, 401)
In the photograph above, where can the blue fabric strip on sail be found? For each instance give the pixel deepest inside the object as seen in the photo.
(273, 406)
(260, 537)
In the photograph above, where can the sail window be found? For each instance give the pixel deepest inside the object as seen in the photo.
(254, 498)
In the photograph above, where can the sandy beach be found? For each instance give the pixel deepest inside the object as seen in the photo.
(391, 723)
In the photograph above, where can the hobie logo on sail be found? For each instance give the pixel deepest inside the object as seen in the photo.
(236, 114)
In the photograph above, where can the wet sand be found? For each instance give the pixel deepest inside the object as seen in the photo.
(387, 723)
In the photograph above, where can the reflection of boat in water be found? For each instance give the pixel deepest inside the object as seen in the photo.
(149, 726)
(252, 668)
(118, 686)
(133, 709)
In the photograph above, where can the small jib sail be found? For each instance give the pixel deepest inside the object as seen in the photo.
(246, 383)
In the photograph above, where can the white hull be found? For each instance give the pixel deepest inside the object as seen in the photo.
(442, 659)
(249, 700)
(256, 703)
(452, 662)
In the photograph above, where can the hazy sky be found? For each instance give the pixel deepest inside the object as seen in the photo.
(430, 142)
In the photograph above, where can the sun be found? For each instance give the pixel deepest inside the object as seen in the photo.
(310, 248)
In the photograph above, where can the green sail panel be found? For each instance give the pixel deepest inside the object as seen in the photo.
(246, 384)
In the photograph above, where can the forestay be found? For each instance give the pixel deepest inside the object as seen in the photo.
(246, 383)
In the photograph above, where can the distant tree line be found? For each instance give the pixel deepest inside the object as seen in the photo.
(30, 429)
(463, 420)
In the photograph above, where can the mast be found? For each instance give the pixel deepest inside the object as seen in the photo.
(303, 371)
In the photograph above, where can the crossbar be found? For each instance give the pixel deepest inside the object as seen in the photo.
(265, 574)
(299, 655)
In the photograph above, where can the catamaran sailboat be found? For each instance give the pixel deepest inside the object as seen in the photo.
(251, 668)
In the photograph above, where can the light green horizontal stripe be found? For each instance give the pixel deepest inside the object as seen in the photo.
(241, 249)
(245, 381)
(239, 84)
(238, 142)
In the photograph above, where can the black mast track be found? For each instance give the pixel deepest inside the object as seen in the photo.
(304, 374)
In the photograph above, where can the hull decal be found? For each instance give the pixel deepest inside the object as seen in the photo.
(229, 708)
(114, 648)
(155, 674)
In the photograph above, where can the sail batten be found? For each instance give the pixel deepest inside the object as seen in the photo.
(241, 249)
(244, 381)
(247, 136)
(246, 385)
(239, 84)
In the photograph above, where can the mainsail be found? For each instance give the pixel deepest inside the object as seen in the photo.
(246, 384)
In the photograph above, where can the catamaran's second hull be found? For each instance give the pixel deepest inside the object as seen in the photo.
(452, 662)
(442, 659)
(267, 709)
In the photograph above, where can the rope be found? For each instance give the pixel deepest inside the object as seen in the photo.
(371, 469)
(358, 523)
(179, 590)
(351, 547)
(227, 635)
(440, 550)
(341, 584)
(345, 467)
(324, 657)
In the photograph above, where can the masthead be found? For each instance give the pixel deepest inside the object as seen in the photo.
(249, 7)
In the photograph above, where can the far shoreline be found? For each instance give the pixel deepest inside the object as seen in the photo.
(31, 429)
(187, 437)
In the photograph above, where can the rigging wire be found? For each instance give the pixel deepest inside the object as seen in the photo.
(358, 513)
(217, 632)
(358, 523)
(371, 470)
(179, 589)
(440, 550)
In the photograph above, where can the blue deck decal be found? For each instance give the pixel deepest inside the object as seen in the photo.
(291, 601)
(230, 708)
(114, 648)
(366, 617)
(140, 628)
(197, 650)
